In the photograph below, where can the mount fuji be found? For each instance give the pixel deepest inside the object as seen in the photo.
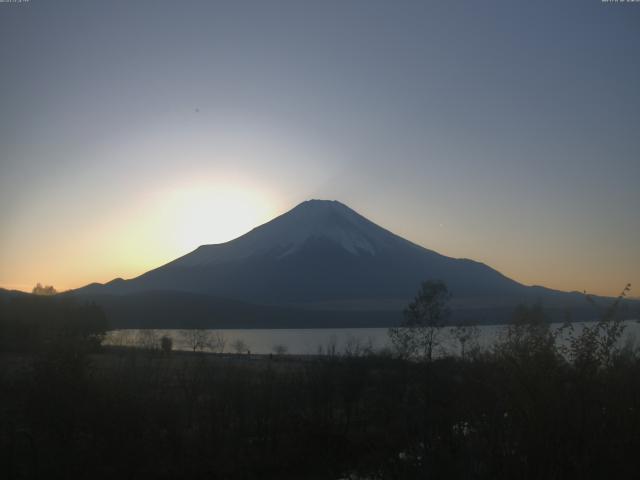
(320, 264)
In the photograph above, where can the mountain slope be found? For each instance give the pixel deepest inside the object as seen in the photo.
(320, 250)
(322, 255)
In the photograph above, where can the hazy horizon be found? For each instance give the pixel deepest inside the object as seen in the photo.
(133, 132)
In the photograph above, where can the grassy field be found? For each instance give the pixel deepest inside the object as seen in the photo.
(129, 413)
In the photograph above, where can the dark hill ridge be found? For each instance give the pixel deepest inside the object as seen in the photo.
(320, 256)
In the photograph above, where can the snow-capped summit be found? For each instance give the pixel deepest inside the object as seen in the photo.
(313, 220)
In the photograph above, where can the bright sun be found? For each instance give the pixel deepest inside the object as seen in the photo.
(205, 215)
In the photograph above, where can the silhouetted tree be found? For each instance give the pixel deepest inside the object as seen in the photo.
(529, 338)
(196, 338)
(357, 347)
(148, 340)
(465, 333)
(280, 349)
(423, 319)
(216, 342)
(39, 289)
(166, 344)
(597, 344)
(239, 346)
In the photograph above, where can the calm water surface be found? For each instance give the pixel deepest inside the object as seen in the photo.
(318, 340)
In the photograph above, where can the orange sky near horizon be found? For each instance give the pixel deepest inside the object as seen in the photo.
(176, 221)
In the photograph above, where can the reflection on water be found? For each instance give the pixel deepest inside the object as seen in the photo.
(312, 341)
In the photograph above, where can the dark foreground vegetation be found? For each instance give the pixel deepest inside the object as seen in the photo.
(527, 409)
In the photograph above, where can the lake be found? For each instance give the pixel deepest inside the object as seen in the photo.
(318, 340)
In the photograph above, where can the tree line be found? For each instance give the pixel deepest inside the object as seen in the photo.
(33, 323)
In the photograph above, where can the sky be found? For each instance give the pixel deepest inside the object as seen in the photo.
(503, 131)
